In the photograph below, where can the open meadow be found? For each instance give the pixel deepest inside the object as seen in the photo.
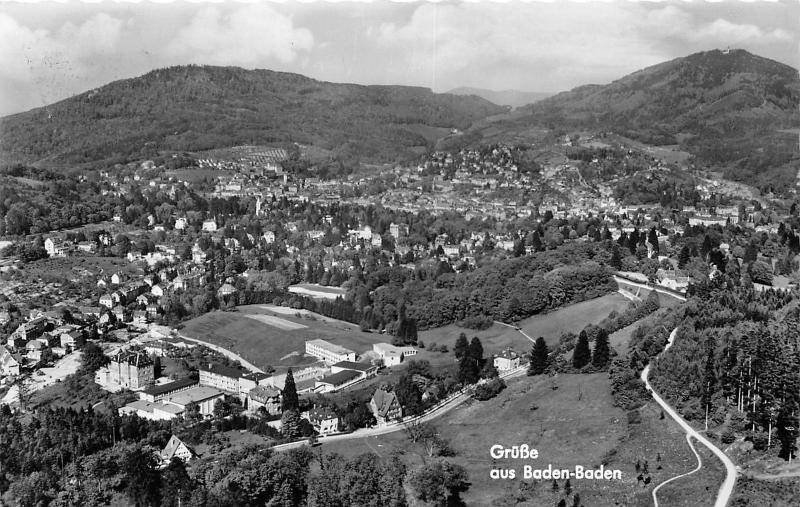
(574, 424)
(572, 318)
(276, 337)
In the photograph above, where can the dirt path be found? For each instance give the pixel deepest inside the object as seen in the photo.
(726, 489)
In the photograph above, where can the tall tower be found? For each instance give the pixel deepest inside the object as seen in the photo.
(258, 206)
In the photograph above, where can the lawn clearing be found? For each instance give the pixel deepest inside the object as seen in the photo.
(572, 318)
(317, 291)
(494, 340)
(278, 322)
(265, 339)
(575, 424)
(619, 339)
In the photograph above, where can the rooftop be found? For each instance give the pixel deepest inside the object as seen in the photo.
(340, 378)
(195, 394)
(350, 365)
(225, 371)
(169, 387)
(331, 347)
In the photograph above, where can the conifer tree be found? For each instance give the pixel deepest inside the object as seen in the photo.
(601, 349)
(616, 258)
(539, 357)
(290, 399)
(461, 346)
(476, 352)
(582, 355)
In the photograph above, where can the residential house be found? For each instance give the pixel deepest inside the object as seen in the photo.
(385, 407)
(266, 397)
(210, 225)
(324, 420)
(55, 247)
(9, 363)
(506, 360)
(176, 448)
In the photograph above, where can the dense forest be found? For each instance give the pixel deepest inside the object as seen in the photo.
(736, 360)
(192, 108)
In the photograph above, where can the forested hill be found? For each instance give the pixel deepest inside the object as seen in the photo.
(723, 106)
(191, 108)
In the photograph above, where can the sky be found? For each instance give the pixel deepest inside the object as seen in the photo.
(50, 51)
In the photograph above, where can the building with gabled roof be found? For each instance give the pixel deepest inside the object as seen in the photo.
(385, 406)
(324, 420)
(176, 448)
(9, 363)
(267, 397)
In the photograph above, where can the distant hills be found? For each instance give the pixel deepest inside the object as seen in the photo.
(513, 98)
(192, 108)
(724, 107)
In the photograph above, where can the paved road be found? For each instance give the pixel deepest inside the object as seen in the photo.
(648, 287)
(233, 355)
(431, 414)
(726, 489)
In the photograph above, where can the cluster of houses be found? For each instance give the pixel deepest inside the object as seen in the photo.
(43, 332)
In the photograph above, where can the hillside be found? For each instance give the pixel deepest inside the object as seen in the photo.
(726, 108)
(513, 98)
(192, 108)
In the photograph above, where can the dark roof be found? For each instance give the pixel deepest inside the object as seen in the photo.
(224, 371)
(321, 414)
(172, 386)
(255, 375)
(133, 358)
(340, 378)
(350, 365)
(384, 401)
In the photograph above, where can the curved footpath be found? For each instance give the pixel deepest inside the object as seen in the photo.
(225, 352)
(726, 489)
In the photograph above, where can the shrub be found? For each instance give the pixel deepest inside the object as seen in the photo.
(489, 390)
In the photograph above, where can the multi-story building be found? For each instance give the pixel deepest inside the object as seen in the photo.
(324, 420)
(221, 377)
(506, 360)
(131, 369)
(329, 352)
(264, 396)
(385, 407)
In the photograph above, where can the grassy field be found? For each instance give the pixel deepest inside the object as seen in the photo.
(494, 340)
(249, 333)
(619, 339)
(575, 424)
(572, 318)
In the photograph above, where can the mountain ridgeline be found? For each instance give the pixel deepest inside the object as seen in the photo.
(725, 107)
(191, 108)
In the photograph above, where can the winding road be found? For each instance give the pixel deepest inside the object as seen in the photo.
(726, 489)
(432, 413)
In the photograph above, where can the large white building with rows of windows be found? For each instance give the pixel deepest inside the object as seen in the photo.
(329, 352)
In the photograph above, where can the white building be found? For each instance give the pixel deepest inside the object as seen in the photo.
(506, 360)
(210, 225)
(329, 352)
(392, 355)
